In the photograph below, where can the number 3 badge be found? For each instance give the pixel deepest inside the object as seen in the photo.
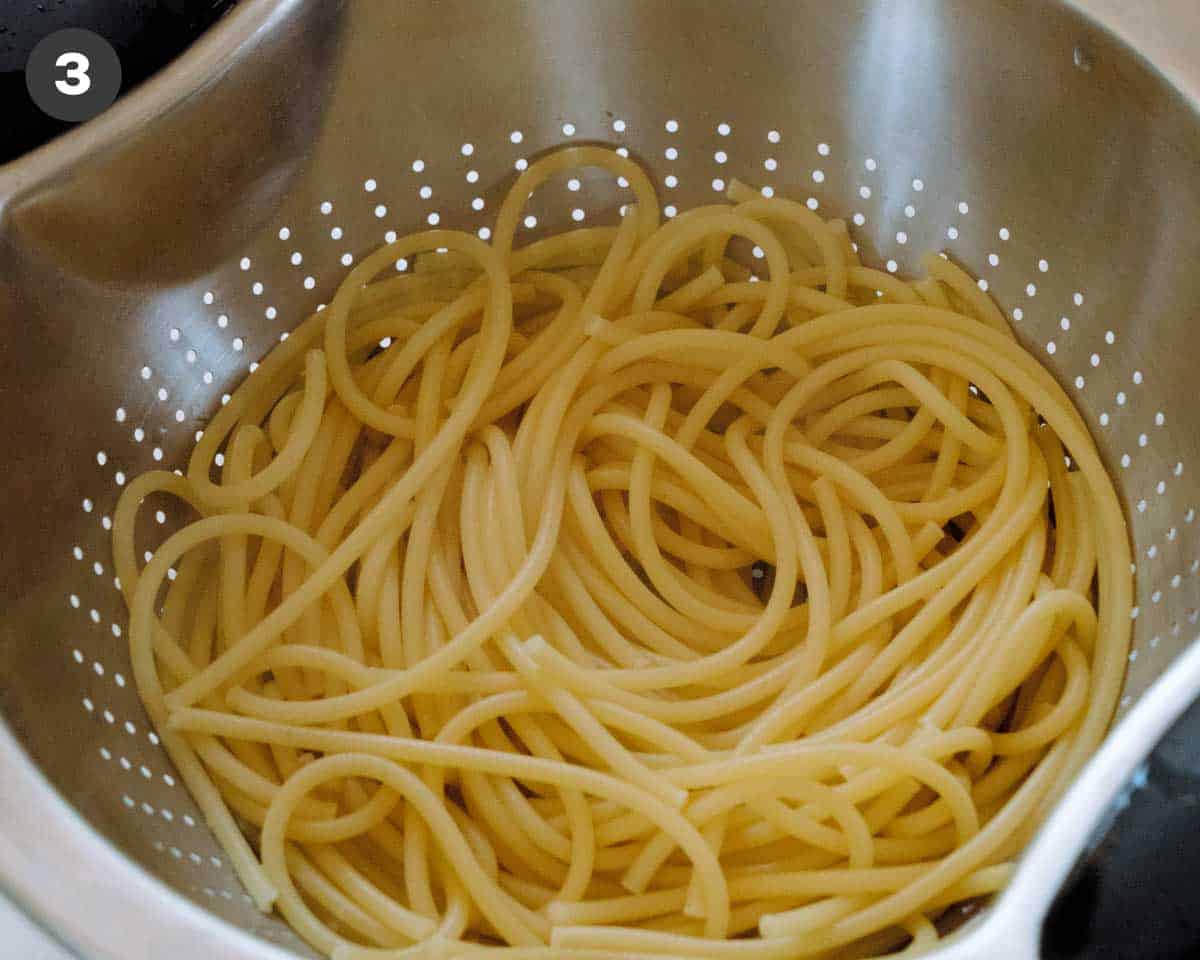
(73, 74)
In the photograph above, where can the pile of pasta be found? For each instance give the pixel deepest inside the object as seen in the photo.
(627, 594)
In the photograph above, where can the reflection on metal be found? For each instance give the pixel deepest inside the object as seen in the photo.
(148, 257)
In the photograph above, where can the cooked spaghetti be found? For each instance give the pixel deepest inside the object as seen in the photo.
(610, 597)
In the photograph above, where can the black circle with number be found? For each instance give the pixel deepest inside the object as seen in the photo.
(73, 74)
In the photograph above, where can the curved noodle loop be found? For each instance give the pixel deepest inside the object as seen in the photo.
(602, 598)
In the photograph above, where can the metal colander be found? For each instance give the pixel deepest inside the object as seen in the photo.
(148, 258)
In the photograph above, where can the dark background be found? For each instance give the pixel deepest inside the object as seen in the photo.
(1135, 895)
(146, 34)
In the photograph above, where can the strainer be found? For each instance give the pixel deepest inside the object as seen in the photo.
(149, 257)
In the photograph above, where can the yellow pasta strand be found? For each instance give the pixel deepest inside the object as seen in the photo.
(609, 597)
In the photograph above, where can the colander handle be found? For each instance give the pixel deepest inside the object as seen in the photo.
(1135, 893)
(1118, 860)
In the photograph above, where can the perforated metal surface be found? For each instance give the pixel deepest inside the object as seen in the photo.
(142, 282)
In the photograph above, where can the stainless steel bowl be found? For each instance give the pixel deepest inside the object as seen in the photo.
(147, 257)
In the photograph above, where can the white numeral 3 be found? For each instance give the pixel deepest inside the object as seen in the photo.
(77, 81)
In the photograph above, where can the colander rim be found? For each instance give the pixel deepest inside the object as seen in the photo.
(50, 856)
(86, 893)
(202, 63)
(67, 877)
(1155, 53)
